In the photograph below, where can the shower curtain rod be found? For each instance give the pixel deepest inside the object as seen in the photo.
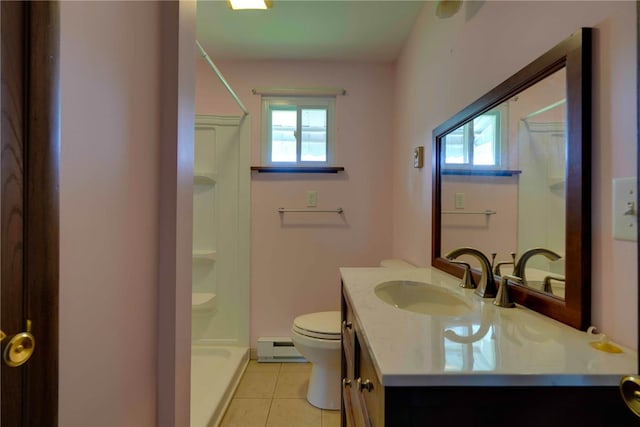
(545, 109)
(221, 77)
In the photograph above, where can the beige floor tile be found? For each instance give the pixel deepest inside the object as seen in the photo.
(246, 413)
(257, 385)
(293, 413)
(255, 366)
(330, 418)
(296, 367)
(292, 385)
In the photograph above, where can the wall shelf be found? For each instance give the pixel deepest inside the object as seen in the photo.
(557, 183)
(202, 301)
(201, 255)
(481, 172)
(204, 178)
(297, 169)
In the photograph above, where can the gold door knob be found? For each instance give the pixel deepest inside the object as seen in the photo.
(630, 390)
(20, 348)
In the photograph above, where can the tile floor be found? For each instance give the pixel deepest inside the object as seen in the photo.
(274, 395)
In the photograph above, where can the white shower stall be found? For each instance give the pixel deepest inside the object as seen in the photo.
(220, 268)
(541, 204)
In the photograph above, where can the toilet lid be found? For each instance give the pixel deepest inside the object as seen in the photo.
(323, 325)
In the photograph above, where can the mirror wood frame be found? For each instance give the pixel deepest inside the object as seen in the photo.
(574, 53)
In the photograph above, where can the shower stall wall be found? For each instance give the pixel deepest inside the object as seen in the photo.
(542, 154)
(220, 298)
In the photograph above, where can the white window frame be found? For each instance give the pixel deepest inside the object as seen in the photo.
(502, 151)
(328, 102)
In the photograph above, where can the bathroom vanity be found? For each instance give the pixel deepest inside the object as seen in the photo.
(463, 361)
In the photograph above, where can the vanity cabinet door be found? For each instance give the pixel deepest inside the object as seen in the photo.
(354, 413)
(369, 389)
(348, 371)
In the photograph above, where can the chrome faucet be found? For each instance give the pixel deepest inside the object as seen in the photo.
(519, 269)
(486, 288)
(467, 277)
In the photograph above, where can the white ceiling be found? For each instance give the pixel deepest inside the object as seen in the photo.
(339, 30)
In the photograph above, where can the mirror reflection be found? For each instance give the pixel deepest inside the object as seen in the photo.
(504, 184)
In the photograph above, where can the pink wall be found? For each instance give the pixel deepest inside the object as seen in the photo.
(488, 233)
(110, 195)
(175, 213)
(294, 263)
(449, 63)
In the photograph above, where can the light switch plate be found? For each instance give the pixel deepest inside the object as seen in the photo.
(459, 200)
(418, 157)
(625, 209)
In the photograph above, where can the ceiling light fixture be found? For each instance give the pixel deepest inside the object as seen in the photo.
(447, 8)
(249, 4)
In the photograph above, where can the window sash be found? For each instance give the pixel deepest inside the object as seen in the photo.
(464, 154)
(302, 150)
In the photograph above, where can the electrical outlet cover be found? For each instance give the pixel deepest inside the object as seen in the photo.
(312, 199)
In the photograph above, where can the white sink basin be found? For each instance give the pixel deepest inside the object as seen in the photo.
(421, 297)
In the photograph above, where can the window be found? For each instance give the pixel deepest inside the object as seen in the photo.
(298, 131)
(478, 143)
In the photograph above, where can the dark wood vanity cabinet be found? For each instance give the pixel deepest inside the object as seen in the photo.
(367, 402)
(362, 393)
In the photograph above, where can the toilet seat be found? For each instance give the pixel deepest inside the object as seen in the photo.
(324, 325)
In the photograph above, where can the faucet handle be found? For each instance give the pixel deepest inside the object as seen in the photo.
(467, 277)
(503, 299)
(496, 270)
(546, 283)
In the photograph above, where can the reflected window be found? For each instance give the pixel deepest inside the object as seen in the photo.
(477, 143)
(467, 354)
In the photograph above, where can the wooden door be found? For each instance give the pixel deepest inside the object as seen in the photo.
(29, 141)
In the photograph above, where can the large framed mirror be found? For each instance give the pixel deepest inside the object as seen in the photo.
(511, 175)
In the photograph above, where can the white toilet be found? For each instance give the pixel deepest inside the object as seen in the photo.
(317, 337)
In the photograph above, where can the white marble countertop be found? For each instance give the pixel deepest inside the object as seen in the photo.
(491, 346)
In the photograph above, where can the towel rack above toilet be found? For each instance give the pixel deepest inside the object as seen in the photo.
(461, 212)
(337, 210)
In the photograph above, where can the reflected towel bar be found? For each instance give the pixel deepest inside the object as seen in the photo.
(487, 212)
(337, 210)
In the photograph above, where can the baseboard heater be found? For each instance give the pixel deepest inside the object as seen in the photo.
(278, 349)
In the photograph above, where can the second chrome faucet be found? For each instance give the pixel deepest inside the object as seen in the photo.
(486, 287)
(519, 269)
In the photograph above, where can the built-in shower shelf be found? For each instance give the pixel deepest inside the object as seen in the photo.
(202, 301)
(200, 255)
(204, 178)
(556, 183)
